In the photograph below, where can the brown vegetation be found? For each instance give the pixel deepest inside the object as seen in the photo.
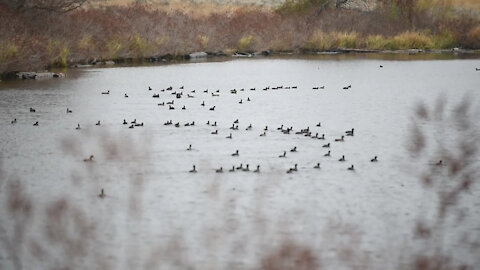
(33, 39)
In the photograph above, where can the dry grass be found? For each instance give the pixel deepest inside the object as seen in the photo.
(177, 28)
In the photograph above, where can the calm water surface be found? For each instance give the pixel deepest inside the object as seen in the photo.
(158, 215)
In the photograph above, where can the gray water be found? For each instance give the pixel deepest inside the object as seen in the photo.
(158, 215)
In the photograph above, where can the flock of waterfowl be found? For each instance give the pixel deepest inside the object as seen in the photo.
(179, 94)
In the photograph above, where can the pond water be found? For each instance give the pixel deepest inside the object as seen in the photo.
(157, 215)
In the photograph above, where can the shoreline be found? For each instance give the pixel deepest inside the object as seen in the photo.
(173, 59)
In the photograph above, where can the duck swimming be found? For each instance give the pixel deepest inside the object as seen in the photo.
(294, 149)
(36, 123)
(14, 121)
(32, 109)
(212, 108)
(351, 168)
(240, 167)
(78, 126)
(98, 123)
(102, 194)
(283, 155)
(194, 170)
(106, 93)
(340, 140)
(327, 154)
(229, 136)
(69, 111)
(374, 159)
(326, 145)
(88, 159)
(257, 170)
(232, 169)
(317, 166)
(246, 169)
(189, 147)
(342, 158)
(219, 170)
(235, 154)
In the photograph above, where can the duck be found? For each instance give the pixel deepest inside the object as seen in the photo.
(170, 102)
(212, 108)
(214, 124)
(317, 166)
(294, 149)
(350, 132)
(374, 159)
(78, 126)
(295, 168)
(235, 122)
(98, 123)
(248, 98)
(170, 107)
(327, 154)
(240, 167)
(183, 108)
(14, 121)
(194, 170)
(326, 145)
(381, 66)
(294, 87)
(205, 91)
(208, 122)
(232, 169)
(280, 128)
(125, 122)
(177, 124)
(215, 95)
(219, 170)
(186, 124)
(322, 137)
(106, 93)
(190, 96)
(134, 121)
(263, 134)
(215, 132)
(257, 170)
(283, 155)
(319, 124)
(102, 194)
(181, 87)
(32, 109)
(342, 158)
(236, 154)
(315, 88)
(125, 95)
(149, 88)
(69, 111)
(161, 104)
(241, 101)
(266, 128)
(439, 163)
(246, 169)
(340, 140)
(252, 89)
(229, 136)
(88, 159)
(192, 124)
(316, 136)
(169, 88)
(351, 168)
(249, 127)
(36, 124)
(322, 87)
(131, 126)
(189, 147)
